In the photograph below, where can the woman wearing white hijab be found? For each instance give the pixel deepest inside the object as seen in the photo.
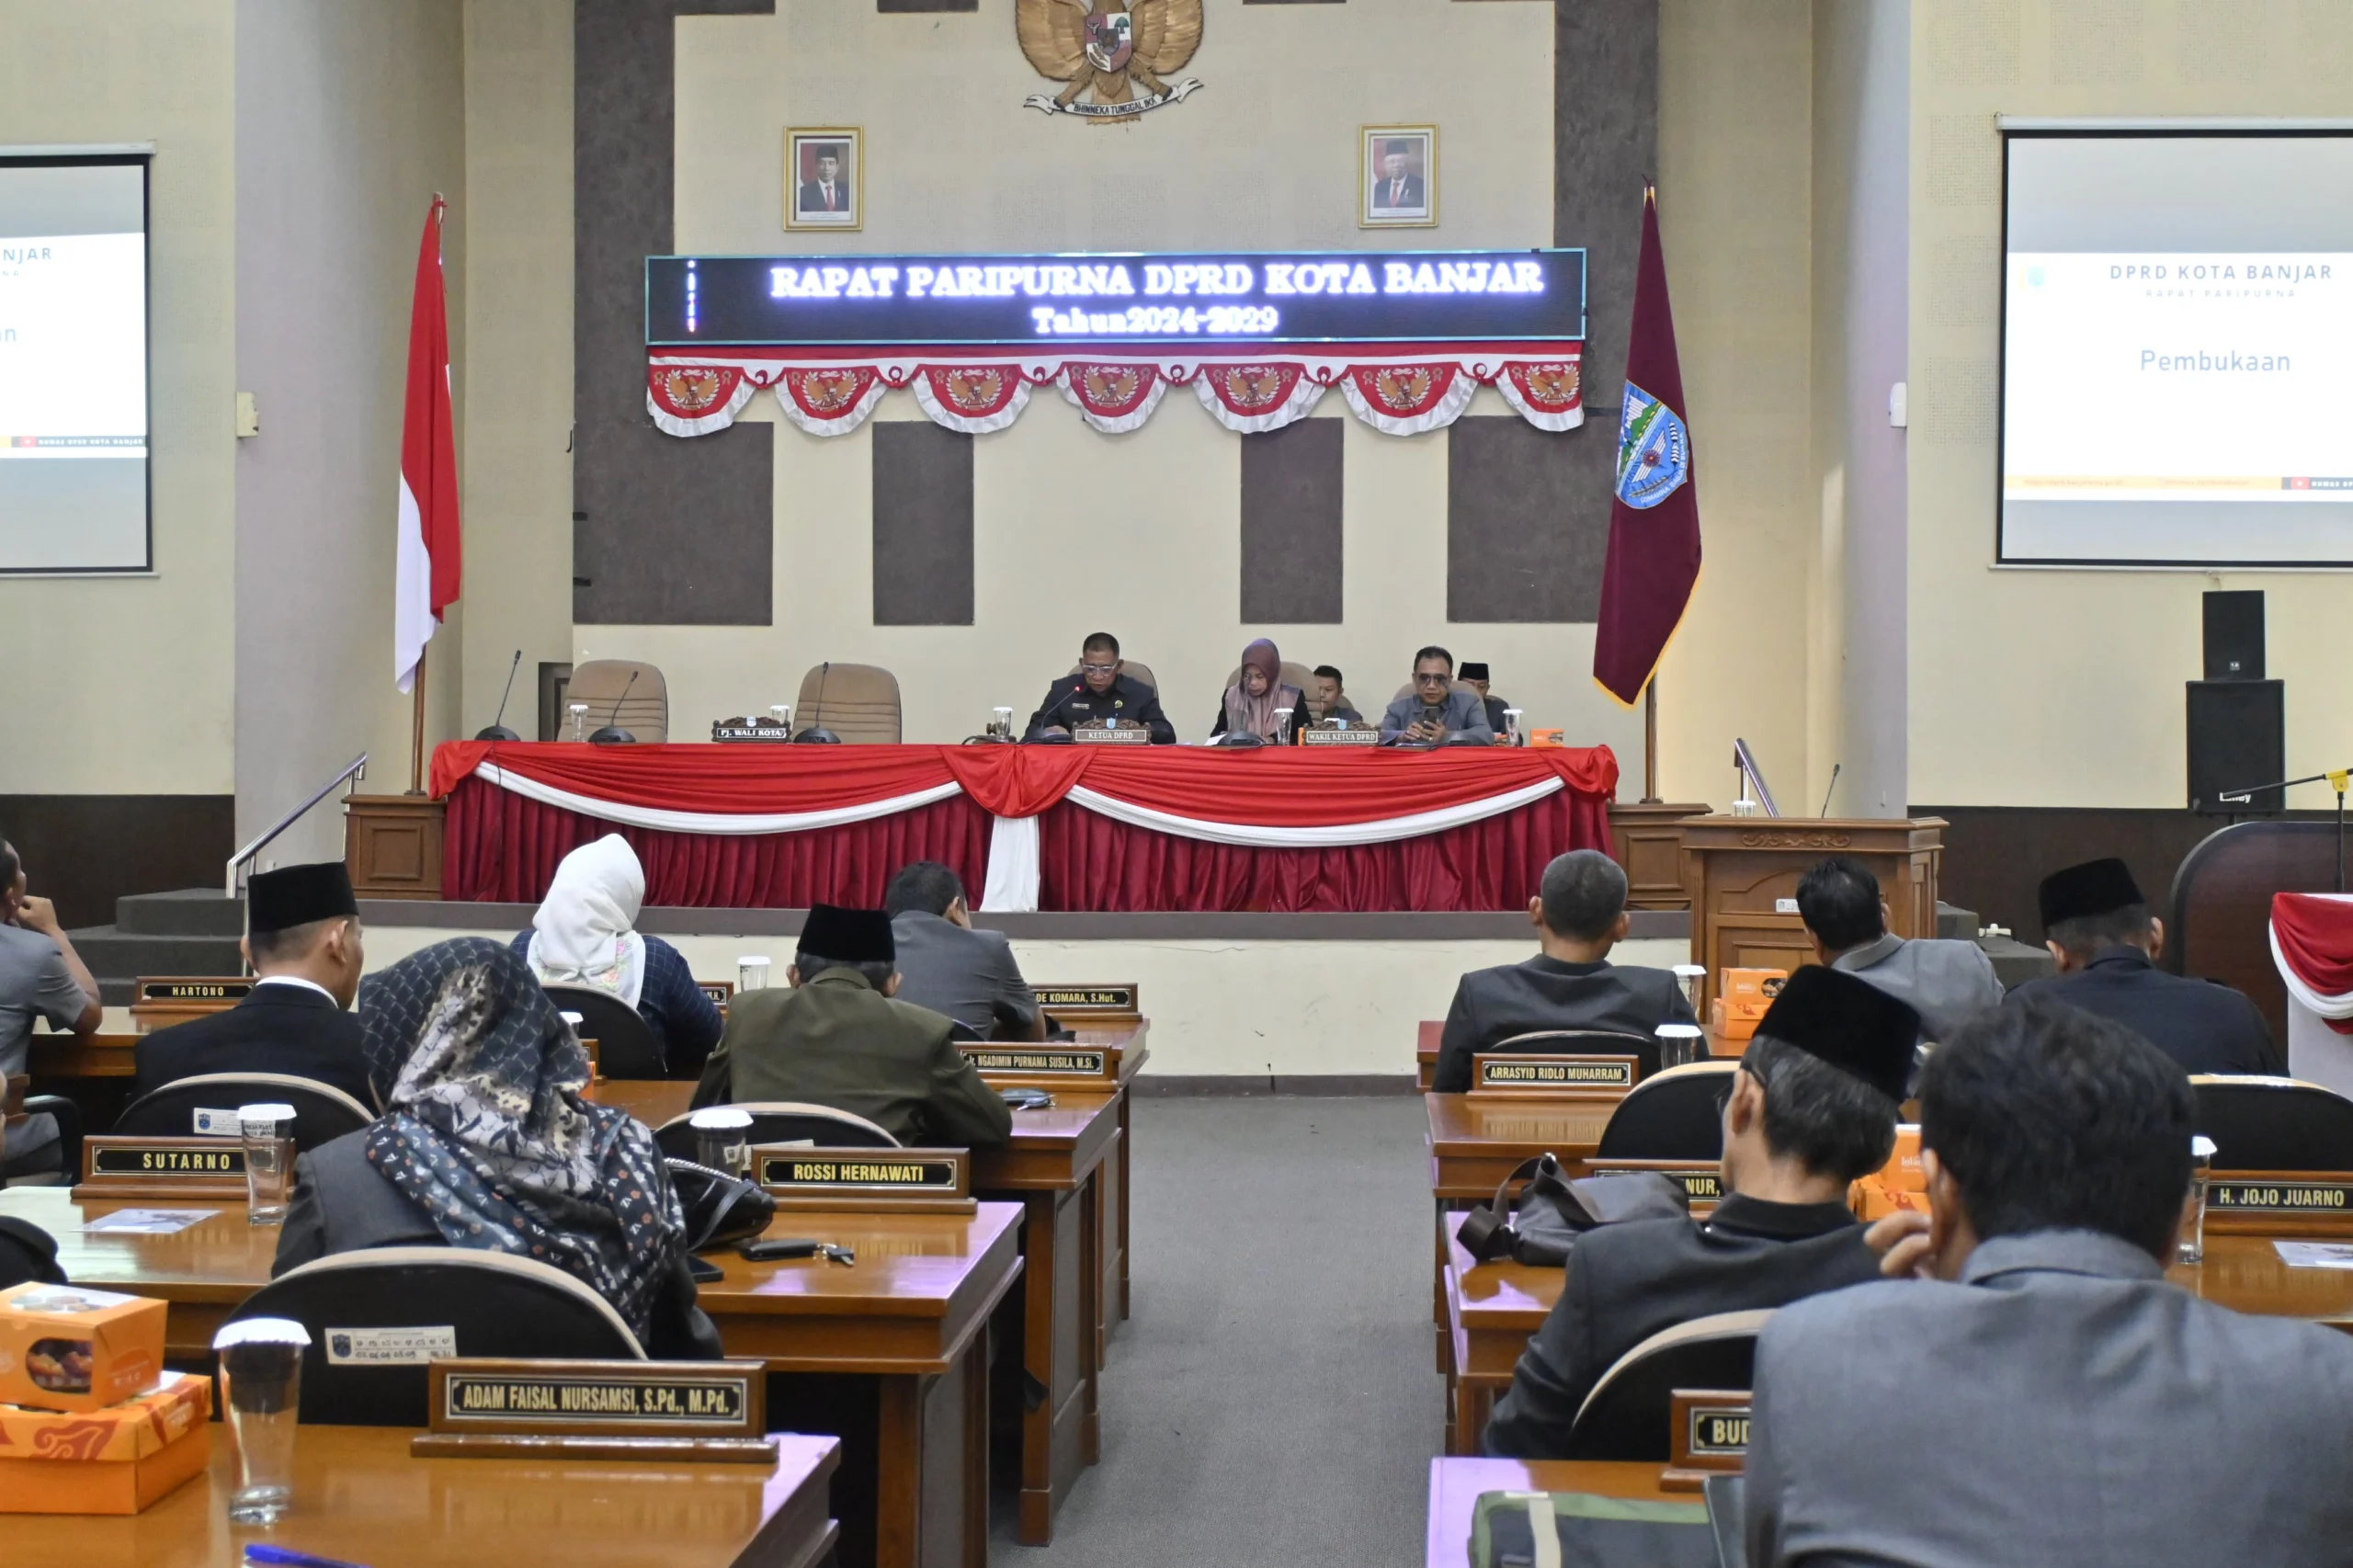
(585, 933)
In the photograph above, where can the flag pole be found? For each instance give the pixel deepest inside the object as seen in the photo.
(1650, 740)
(416, 731)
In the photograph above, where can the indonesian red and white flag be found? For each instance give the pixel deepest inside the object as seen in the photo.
(425, 570)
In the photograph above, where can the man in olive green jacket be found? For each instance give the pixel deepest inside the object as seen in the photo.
(837, 1038)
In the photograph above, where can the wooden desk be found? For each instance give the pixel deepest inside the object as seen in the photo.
(1427, 1035)
(1494, 1308)
(359, 1497)
(911, 1316)
(82, 1056)
(1456, 1483)
(1054, 1169)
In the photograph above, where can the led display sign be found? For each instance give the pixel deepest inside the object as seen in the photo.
(1065, 300)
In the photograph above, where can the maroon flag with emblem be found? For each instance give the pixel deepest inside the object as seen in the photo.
(1655, 514)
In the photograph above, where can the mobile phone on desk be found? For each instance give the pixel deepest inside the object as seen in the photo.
(776, 1251)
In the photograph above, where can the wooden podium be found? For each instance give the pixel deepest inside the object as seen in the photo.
(1743, 873)
(1642, 839)
(392, 845)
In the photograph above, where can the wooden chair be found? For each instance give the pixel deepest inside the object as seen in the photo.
(781, 1121)
(859, 703)
(1673, 1115)
(1626, 1415)
(2274, 1124)
(644, 712)
(322, 1111)
(491, 1303)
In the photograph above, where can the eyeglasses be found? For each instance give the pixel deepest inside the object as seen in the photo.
(1101, 669)
(1420, 678)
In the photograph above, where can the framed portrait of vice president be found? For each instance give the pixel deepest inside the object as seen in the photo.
(1397, 177)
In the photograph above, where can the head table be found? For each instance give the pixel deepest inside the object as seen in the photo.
(1080, 827)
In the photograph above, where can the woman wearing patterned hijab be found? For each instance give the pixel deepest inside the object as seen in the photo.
(486, 1142)
(1257, 690)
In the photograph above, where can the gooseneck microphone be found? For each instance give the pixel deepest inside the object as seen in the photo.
(612, 735)
(1826, 794)
(816, 734)
(498, 730)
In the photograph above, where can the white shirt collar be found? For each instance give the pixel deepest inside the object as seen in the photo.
(298, 980)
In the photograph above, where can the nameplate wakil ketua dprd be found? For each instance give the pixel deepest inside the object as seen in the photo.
(495, 1407)
(1707, 1435)
(1556, 1077)
(1358, 734)
(1702, 1180)
(162, 1167)
(2280, 1203)
(803, 1176)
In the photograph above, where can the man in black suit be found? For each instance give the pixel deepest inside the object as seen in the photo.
(1812, 1108)
(2107, 943)
(1397, 191)
(1579, 914)
(1101, 691)
(303, 942)
(825, 193)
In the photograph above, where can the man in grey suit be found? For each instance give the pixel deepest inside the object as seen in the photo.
(1437, 711)
(946, 966)
(1947, 982)
(2042, 1394)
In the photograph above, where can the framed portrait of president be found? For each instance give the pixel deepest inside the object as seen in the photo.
(825, 172)
(1397, 177)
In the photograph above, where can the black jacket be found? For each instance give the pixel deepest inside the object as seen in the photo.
(1129, 700)
(276, 1028)
(1627, 1282)
(341, 1204)
(1493, 1004)
(27, 1253)
(2205, 1027)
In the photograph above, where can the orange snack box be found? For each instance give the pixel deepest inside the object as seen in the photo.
(116, 1460)
(1756, 987)
(64, 1347)
(1726, 1024)
(1899, 1184)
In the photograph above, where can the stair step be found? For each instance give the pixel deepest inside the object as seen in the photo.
(188, 912)
(119, 957)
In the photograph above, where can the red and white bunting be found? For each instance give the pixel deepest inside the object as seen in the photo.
(1405, 400)
(974, 398)
(1548, 393)
(695, 400)
(1247, 399)
(1113, 397)
(830, 400)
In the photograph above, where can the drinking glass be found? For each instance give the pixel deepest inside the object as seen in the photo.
(1680, 1045)
(1004, 730)
(1282, 726)
(722, 1139)
(782, 713)
(1743, 807)
(1689, 975)
(1511, 727)
(261, 1380)
(269, 1131)
(579, 712)
(750, 972)
(2191, 1248)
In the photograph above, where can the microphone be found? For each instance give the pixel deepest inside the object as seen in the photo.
(816, 734)
(612, 735)
(1833, 784)
(498, 730)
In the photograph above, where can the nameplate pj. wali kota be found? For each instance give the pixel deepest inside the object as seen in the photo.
(1557, 1077)
(1707, 1435)
(2280, 1203)
(800, 1175)
(162, 1167)
(496, 1408)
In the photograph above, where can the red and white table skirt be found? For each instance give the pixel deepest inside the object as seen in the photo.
(2311, 941)
(1030, 828)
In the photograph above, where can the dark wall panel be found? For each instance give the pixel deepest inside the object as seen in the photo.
(85, 851)
(922, 525)
(664, 530)
(1520, 544)
(887, 7)
(1290, 523)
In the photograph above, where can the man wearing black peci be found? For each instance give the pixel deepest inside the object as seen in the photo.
(1101, 690)
(303, 938)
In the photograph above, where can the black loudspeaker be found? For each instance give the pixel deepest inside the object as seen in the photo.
(2238, 737)
(2234, 635)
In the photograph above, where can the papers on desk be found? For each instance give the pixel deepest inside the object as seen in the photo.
(148, 1222)
(2315, 1255)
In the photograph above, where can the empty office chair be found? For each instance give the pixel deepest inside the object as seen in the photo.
(1643, 1048)
(17, 1110)
(1139, 673)
(1673, 1115)
(645, 712)
(490, 1303)
(858, 702)
(782, 1122)
(1626, 1416)
(322, 1111)
(625, 1044)
(2274, 1124)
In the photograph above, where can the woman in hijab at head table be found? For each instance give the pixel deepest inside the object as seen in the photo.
(1257, 692)
(486, 1142)
(585, 934)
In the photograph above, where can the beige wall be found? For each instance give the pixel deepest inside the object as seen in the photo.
(1734, 194)
(2064, 687)
(517, 369)
(134, 679)
(1264, 156)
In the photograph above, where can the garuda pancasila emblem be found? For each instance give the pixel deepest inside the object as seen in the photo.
(1120, 52)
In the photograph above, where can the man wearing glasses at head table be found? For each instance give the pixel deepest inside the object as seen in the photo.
(1101, 690)
(1437, 711)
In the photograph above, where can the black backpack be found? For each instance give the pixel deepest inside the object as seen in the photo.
(1554, 1210)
